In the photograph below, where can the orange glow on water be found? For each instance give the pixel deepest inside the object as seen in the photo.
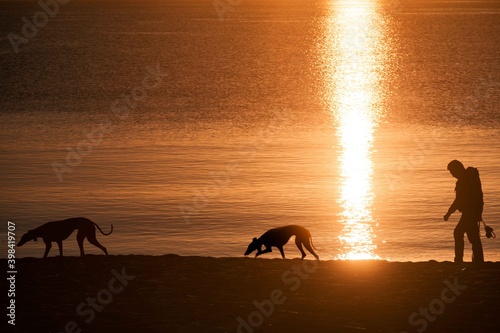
(354, 36)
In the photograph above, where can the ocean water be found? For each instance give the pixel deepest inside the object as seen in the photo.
(194, 128)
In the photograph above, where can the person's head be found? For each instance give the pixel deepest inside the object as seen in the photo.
(456, 168)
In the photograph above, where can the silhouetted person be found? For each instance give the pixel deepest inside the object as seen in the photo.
(469, 201)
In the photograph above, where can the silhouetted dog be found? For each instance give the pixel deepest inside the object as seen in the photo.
(58, 231)
(278, 237)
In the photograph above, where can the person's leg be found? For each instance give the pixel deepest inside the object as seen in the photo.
(475, 240)
(458, 234)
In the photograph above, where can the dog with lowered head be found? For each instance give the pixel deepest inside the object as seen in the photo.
(58, 231)
(278, 237)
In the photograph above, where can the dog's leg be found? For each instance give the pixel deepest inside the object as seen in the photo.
(310, 249)
(48, 245)
(281, 251)
(299, 245)
(92, 240)
(79, 238)
(59, 243)
(90, 234)
(96, 243)
(267, 249)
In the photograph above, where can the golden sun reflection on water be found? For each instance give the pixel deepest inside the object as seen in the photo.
(356, 50)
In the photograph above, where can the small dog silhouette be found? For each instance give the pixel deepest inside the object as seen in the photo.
(278, 237)
(58, 231)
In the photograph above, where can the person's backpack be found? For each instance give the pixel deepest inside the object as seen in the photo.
(474, 191)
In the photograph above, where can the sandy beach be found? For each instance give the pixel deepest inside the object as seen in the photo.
(171, 293)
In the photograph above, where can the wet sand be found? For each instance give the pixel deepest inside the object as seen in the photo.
(170, 293)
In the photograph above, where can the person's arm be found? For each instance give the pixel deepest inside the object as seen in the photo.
(451, 210)
(456, 203)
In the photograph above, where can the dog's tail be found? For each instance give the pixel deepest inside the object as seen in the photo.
(311, 239)
(109, 233)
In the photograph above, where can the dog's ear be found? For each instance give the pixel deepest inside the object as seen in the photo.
(254, 239)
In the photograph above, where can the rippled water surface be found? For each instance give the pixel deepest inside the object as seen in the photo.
(193, 130)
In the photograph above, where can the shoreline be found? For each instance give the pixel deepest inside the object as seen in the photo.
(309, 257)
(172, 293)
